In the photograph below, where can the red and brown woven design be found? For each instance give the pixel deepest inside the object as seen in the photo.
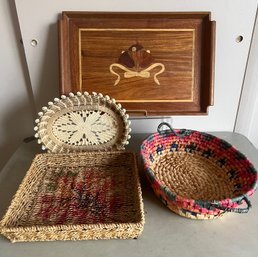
(197, 175)
(79, 196)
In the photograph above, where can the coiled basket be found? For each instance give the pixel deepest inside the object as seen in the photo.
(197, 175)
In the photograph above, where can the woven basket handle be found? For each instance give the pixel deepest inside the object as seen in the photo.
(165, 132)
(236, 210)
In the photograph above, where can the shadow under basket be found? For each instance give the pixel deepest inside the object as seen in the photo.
(197, 175)
(77, 196)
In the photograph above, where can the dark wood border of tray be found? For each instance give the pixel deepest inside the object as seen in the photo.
(192, 90)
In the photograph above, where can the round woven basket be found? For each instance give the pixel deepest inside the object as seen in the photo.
(197, 175)
(82, 122)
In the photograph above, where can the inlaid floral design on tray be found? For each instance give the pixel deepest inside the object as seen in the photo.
(137, 62)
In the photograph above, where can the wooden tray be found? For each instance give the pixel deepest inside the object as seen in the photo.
(153, 63)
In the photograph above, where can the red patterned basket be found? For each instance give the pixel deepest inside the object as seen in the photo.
(197, 175)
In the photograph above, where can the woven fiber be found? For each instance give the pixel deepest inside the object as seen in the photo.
(82, 122)
(77, 196)
(198, 175)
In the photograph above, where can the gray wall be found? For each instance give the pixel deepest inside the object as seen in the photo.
(16, 101)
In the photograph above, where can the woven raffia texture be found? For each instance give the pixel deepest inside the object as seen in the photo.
(77, 197)
(189, 173)
(82, 122)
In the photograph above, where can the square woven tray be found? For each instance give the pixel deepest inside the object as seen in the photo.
(77, 196)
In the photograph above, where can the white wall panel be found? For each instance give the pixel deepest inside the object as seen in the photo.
(16, 101)
(38, 20)
(247, 119)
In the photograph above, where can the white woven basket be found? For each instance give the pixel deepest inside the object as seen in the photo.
(82, 122)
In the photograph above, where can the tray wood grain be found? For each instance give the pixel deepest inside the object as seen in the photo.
(153, 63)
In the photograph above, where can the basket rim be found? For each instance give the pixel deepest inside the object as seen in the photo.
(63, 227)
(171, 194)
